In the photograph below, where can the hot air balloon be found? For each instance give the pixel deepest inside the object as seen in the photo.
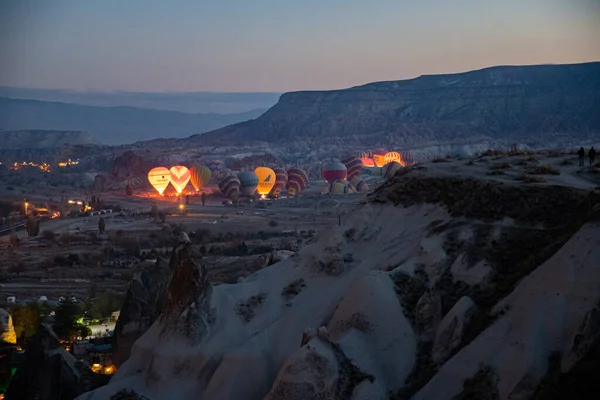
(159, 177)
(248, 182)
(266, 180)
(391, 169)
(361, 186)
(364, 154)
(230, 186)
(339, 187)
(392, 156)
(334, 171)
(180, 176)
(379, 158)
(199, 176)
(281, 178)
(297, 181)
(355, 180)
(214, 165)
(353, 165)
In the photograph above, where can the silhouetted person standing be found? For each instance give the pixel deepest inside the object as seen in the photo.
(592, 155)
(581, 154)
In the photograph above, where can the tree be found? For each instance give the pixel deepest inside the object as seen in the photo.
(203, 198)
(32, 227)
(67, 323)
(272, 223)
(26, 319)
(17, 268)
(154, 212)
(101, 225)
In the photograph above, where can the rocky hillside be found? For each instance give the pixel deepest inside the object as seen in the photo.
(436, 287)
(42, 139)
(111, 125)
(525, 104)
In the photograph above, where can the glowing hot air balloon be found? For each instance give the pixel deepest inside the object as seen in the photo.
(180, 176)
(353, 165)
(266, 180)
(230, 186)
(281, 178)
(334, 171)
(159, 177)
(392, 156)
(379, 158)
(199, 176)
(249, 182)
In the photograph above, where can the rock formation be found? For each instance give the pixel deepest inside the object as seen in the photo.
(129, 165)
(49, 372)
(523, 103)
(450, 332)
(143, 304)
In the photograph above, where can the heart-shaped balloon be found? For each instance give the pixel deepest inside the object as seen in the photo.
(180, 176)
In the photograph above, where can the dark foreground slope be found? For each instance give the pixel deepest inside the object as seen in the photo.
(528, 104)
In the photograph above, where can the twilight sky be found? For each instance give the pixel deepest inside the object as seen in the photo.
(280, 45)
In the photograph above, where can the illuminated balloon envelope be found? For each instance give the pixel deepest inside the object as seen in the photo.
(199, 176)
(159, 177)
(379, 158)
(266, 180)
(180, 176)
(393, 156)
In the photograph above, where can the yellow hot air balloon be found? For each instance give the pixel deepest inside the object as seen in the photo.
(159, 177)
(266, 180)
(180, 176)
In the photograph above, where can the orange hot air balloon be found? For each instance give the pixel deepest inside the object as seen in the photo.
(266, 180)
(180, 176)
(392, 156)
(159, 177)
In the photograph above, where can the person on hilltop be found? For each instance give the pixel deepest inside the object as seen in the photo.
(592, 155)
(581, 154)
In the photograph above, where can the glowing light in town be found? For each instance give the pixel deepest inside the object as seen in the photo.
(180, 176)
(266, 180)
(159, 178)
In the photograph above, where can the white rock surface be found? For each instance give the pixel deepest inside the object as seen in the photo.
(451, 329)
(542, 315)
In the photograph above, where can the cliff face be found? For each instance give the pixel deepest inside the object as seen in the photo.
(527, 104)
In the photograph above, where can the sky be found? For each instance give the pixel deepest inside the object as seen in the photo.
(280, 45)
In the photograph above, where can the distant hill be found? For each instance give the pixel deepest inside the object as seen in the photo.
(536, 105)
(42, 139)
(191, 102)
(111, 125)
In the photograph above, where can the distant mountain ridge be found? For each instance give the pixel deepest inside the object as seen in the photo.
(530, 104)
(186, 102)
(42, 139)
(110, 125)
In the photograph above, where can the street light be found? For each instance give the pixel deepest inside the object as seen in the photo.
(26, 205)
(181, 208)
